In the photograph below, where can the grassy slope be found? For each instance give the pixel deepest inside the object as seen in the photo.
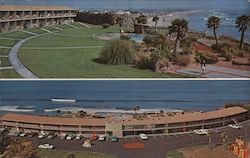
(8, 74)
(62, 154)
(15, 34)
(174, 154)
(7, 42)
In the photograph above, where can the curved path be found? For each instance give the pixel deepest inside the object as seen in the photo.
(17, 64)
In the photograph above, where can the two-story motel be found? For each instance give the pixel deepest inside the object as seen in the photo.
(20, 17)
(126, 126)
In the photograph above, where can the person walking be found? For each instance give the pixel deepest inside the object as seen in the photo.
(203, 66)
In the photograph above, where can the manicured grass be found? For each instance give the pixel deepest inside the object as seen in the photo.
(7, 42)
(15, 34)
(64, 26)
(5, 62)
(78, 154)
(77, 24)
(78, 63)
(8, 74)
(52, 40)
(36, 30)
(50, 28)
(4, 51)
(174, 154)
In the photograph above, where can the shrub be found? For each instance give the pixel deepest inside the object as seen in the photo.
(182, 60)
(210, 58)
(161, 64)
(147, 40)
(118, 52)
(106, 25)
(145, 62)
(125, 37)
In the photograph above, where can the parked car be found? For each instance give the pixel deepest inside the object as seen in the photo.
(102, 138)
(79, 137)
(22, 134)
(235, 126)
(114, 139)
(143, 136)
(52, 135)
(201, 131)
(46, 146)
(32, 134)
(14, 133)
(42, 135)
(70, 137)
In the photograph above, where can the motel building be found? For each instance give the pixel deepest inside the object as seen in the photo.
(21, 17)
(125, 126)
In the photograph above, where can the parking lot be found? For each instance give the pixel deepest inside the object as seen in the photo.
(155, 146)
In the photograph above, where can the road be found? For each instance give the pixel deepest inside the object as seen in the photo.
(155, 147)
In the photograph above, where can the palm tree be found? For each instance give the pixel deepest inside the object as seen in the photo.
(155, 19)
(119, 21)
(213, 22)
(180, 27)
(242, 22)
(136, 109)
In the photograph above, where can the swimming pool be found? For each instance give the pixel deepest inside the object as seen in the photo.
(133, 36)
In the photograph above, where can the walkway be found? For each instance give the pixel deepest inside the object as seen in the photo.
(77, 47)
(17, 64)
(216, 72)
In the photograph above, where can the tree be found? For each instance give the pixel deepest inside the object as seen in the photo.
(119, 21)
(136, 109)
(213, 22)
(118, 52)
(155, 19)
(142, 19)
(180, 27)
(243, 23)
(20, 149)
(4, 142)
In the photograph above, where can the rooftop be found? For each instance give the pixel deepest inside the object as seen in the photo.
(177, 118)
(32, 8)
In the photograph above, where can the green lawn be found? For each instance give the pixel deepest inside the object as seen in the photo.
(5, 62)
(50, 28)
(78, 63)
(8, 74)
(7, 42)
(78, 154)
(15, 34)
(71, 63)
(35, 30)
(4, 51)
(64, 26)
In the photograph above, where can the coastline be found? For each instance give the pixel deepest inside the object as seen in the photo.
(165, 18)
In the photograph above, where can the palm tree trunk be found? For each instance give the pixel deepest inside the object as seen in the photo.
(175, 45)
(215, 35)
(242, 38)
(155, 25)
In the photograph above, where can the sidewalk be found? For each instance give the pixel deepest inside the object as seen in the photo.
(216, 72)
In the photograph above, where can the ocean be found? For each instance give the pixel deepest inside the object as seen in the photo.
(227, 10)
(35, 96)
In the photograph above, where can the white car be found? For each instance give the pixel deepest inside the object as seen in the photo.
(235, 126)
(70, 137)
(79, 137)
(201, 131)
(22, 135)
(42, 135)
(143, 136)
(46, 146)
(101, 137)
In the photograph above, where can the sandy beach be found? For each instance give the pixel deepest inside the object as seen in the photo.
(165, 18)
